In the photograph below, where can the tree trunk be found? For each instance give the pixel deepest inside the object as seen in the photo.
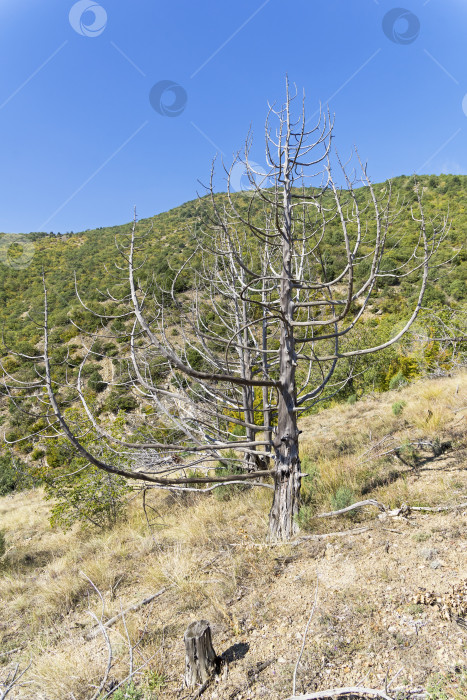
(287, 477)
(201, 661)
(286, 502)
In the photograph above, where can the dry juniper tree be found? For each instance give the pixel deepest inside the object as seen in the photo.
(259, 324)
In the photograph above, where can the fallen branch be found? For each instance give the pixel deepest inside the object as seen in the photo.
(339, 533)
(439, 509)
(252, 676)
(294, 680)
(94, 632)
(336, 692)
(294, 543)
(202, 688)
(13, 680)
(360, 504)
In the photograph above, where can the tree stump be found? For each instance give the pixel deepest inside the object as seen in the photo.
(201, 661)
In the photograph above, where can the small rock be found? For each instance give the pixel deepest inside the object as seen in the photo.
(429, 553)
(435, 564)
(281, 660)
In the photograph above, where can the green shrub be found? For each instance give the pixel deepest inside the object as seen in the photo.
(398, 407)
(81, 492)
(12, 435)
(120, 401)
(95, 382)
(398, 381)
(225, 493)
(14, 475)
(342, 498)
(304, 517)
(449, 685)
(309, 493)
(128, 692)
(310, 483)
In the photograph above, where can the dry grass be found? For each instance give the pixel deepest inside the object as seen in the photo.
(204, 549)
(346, 445)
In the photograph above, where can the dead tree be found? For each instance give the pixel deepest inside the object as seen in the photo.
(279, 280)
(201, 661)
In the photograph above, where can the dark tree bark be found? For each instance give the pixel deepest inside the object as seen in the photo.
(201, 661)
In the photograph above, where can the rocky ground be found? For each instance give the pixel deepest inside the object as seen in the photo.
(379, 600)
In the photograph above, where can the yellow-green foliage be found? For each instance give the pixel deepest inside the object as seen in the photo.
(80, 491)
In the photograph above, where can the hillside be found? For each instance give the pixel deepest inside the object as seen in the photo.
(372, 624)
(90, 256)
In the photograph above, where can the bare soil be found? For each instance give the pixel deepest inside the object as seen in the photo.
(360, 589)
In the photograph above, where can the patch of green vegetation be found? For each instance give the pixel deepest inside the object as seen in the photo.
(228, 468)
(421, 536)
(448, 686)
(119, 400)
(398, 407)
(398, 381)
(79, 491)
(14, 475)
(149, 689)
(309, 493)
(415, 609)
(342, 498)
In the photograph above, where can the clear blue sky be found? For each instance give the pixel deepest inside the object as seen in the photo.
(81, 143)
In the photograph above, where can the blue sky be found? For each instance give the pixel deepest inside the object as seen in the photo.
(81, 143)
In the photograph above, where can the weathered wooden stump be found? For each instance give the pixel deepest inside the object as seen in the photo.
(201, 661)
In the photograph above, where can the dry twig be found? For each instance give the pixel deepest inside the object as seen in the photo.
(304, 635)
(360, 504)
(342, 692)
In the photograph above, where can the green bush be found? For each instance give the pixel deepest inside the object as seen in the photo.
(120, 401)
(342, 498)
(398, 407)
(128, 692)
(81, 492)
(14, 475)
(309, 493)
(225, 493)
(398, 381)
(95, 382)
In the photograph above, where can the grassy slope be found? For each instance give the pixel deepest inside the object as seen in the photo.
(211, 554)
